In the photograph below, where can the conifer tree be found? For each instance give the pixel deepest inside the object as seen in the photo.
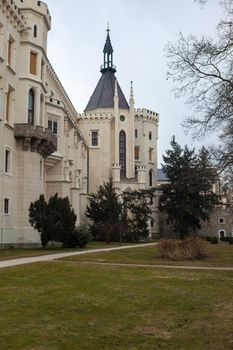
(104, 210)
(119, 217)
(55, 220)
(188, 197)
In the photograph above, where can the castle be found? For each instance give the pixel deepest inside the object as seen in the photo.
(46, 146)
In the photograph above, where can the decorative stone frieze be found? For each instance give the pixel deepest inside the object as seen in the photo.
(36, 139)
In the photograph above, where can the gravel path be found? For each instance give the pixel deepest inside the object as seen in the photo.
(50, 257)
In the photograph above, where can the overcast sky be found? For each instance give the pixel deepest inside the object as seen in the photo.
(140, 30)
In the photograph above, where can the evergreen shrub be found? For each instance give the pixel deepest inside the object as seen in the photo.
(214, 240)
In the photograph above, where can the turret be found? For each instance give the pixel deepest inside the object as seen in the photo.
(32, 62)
(38, 21)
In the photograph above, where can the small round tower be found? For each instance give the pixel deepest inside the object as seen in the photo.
(38, 20)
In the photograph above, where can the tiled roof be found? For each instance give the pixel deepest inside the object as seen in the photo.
(103, 94)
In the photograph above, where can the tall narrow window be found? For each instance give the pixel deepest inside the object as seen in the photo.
(150, 135)
(122, 153)
(42, 70)
(7, 161)
(31, 106)
(10, 51)
(136, 133)
(6, 208)
(55, 127)
(150, 154)
(94, 138)
(35, 31)
(136, 153)
(8, 105)
(50, 125)
(41, 169)
(1, 39)
(8, 99)
(33, 57)
(151, 177)
(41, 109)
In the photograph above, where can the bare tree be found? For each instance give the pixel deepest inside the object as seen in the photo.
(202, 70)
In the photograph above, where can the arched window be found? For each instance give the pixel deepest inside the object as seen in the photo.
(31, 105)
(122, 153)
(35, 31)
(151, 177)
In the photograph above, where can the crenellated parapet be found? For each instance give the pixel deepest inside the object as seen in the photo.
(36, 139)
(96, 116)
(146, 115)
(37, 6)
(12, 11)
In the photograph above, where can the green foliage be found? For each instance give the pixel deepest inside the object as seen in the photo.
(137, 212)
(55, 220)
(38, 218)
(230, 240)
(116, 217)
(104, 210)
(188, 197)
(80, 236)
(224, 239)
(214, 240)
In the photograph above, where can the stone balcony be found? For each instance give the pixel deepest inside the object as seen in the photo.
(36, 139)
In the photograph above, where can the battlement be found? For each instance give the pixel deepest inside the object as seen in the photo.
(146, 115)
(37, 6)
(11, 7)
(96, 116)
(145, 111)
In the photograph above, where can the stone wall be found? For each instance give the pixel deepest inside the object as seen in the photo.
(220, 224)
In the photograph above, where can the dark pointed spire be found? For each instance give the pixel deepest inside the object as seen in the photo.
(108, 55)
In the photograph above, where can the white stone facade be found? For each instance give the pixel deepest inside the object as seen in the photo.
(45, 145)
(30, 132)
(107, 115)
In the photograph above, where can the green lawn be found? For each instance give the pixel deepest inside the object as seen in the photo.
(66, 306)
(217, 255)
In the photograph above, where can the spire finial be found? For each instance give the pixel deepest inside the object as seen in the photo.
(108, 54)
(131, 90)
